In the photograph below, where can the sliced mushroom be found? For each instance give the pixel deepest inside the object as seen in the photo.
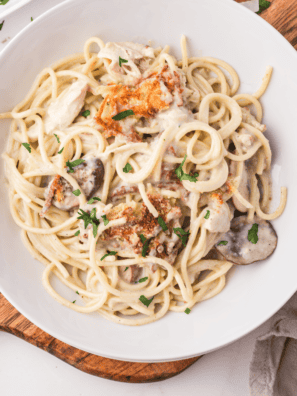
(89, 176)
(213, 254)
(130, 274)
(235, 246)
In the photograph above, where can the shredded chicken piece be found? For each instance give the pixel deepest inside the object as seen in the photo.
(250, 119)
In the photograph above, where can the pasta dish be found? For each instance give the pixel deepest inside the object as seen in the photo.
(139, 180)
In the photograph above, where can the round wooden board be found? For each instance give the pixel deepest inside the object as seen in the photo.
(282, 14)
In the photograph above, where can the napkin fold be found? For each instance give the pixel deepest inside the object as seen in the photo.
(273, 370)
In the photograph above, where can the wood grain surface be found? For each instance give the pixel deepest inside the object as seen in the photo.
(282, 14)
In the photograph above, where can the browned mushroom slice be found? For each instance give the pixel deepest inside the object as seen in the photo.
(130, 274)
(89, 176)
(236, 247)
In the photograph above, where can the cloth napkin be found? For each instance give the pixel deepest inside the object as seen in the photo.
(251, 4)
(273, 370)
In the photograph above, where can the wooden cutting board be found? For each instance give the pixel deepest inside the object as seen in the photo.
(282, 14)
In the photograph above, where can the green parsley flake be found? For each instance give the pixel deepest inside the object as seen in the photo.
(76, 192)
(127, 168)
(145, 301)
(27, 146)
(183, 235)
(121, 60)
(92, 200)
(77, 233)
(3, 2)
(73, 302)
(57, 137)
(145, 243)
(108, 254)
(162, 224)
(72, 164)
(1, 25)
(105, 220)
(207, 215)
(77, 292)
(253, 234)
(126, 269)
(61, 151)
(263, 5)
(223, 243)
(143, 279)
(31, 19)
(187, 311)
(123, 115)
(184, 176)
(86, 113)
(89, 218)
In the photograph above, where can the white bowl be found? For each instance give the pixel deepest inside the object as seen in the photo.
(217, 28)
(12, 6)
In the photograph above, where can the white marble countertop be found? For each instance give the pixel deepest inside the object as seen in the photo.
(25, 370)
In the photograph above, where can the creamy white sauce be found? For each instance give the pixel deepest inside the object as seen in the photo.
(129, 72)
(174, 116)
(246, 139)
(219, 218)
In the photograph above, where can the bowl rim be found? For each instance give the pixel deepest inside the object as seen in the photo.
(13, 8)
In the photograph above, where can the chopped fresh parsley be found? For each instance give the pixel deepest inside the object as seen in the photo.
(105, 220)
(123, 115)
(1, 25)
(108, 254)
(92, 200)
(73, 302)
(263, 5)
(126, 269)
(27, 146)
(76, 192)
(207, 215)
(127, 168)
(121, 60)
(77, 292)
(145, 301)
(143, 279)
(3, 2)
(31, 19)
(184, 176)
(145, 243)
(89, 218)
(72, 164)
(253, 234)
(86, 113)
(223, 243)
(187, 311)
(57, 137)
(61, 151)
(183, 235)
(77, 233)
(162, 224)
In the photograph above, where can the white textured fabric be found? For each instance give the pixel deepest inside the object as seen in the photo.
(253, 5)
(273, 370)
